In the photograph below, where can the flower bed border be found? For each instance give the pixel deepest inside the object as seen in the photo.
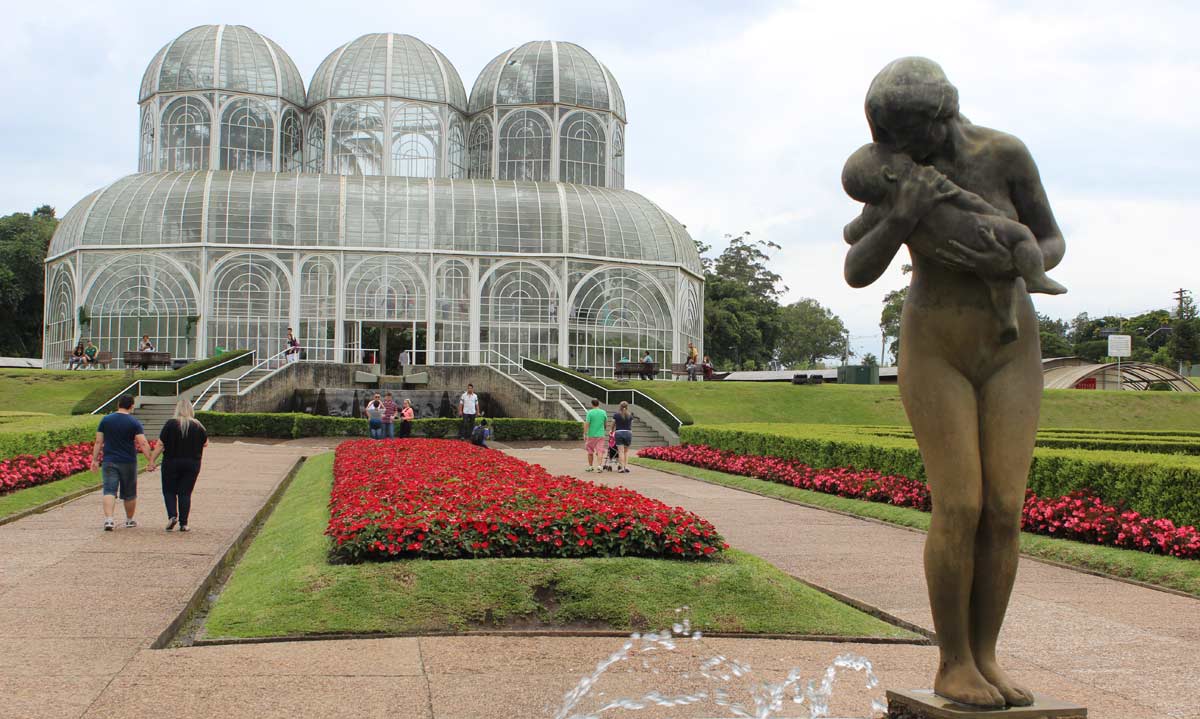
(1080, 515)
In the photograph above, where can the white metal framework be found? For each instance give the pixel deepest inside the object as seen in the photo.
(494, 226)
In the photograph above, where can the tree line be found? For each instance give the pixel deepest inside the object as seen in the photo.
(24, 240)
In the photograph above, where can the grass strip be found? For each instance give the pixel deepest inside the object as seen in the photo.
(1181, 575)
(25, 499)
(284, 587)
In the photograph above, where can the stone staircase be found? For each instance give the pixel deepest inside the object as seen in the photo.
(648, 430)
(153, 413)
(209, 392)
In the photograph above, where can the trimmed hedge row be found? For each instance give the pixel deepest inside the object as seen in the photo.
(106, 391)
(1157, 485)
(39, 435)
(290, 425)
(1160, 442)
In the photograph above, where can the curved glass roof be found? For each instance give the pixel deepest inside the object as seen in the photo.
(375, 212)
(388, 65)
(223, 57)
(544, 72)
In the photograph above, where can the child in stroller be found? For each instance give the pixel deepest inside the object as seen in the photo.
(610, 460)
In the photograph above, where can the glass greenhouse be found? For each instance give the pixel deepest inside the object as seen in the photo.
(382, 200)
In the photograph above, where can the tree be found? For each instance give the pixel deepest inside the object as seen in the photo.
(869, 360)
(24, 240)
(889, 319)
(742, 324)
(810, 332)
(1184, 345)
(1053, 336)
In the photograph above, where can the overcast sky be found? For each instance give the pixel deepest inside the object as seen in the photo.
(741, 113)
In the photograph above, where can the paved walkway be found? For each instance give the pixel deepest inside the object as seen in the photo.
(80, 608)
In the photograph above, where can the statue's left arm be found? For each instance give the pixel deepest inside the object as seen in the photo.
(1029, 199)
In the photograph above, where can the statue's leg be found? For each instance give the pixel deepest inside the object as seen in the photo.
(942, 409)
(1009, 403)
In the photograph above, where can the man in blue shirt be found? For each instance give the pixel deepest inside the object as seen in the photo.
(120, 437)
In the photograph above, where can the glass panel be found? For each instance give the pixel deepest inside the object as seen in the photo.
(582, 150)
(525, 147)
(358, 139)
(247, 136)
(416, 141)
(481, 148)
(291, 142)
(186, 126)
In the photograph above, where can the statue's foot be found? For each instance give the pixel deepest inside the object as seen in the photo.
(1014, 694)
(964, 684)
(1045, 286)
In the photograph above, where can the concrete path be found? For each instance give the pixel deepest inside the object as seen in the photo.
(77, 604)
(79, 609)
(1106, 643)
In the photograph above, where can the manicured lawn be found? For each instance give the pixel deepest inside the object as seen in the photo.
(284, 586)
(50, 391)
(735, 402)
(1179, 574)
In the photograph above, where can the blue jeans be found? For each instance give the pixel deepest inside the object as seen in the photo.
(389, 429)
(375, 427)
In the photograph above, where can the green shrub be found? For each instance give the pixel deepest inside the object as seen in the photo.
(102, 397)
(295, 424)
(38, 435)
(1157, 485)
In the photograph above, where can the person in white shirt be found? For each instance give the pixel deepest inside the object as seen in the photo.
(468, 407)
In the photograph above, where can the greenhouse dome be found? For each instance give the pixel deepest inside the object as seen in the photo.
(363, 209)
(548, 111)
(221, 96)
(387, 104)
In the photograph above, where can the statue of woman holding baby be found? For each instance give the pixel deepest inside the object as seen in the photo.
(971, 395)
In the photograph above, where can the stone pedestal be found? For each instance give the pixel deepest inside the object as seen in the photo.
(924, 704)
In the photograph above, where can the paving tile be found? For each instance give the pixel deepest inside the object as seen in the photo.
(358, 657)
(65, 657)
(26, 697)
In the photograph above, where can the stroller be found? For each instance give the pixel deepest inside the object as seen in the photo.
(610, 459)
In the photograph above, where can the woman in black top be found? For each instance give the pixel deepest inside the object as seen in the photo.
(182, 440)
(623, 424)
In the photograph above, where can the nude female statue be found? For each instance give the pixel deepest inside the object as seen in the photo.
(972, 400)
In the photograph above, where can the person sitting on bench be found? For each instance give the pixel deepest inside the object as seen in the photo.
(647, 372)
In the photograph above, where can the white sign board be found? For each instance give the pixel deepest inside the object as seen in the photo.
(1120, 345)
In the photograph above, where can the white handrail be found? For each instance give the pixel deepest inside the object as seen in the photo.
(219, 383)
(138, 383)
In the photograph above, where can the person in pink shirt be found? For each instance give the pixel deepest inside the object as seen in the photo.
(389, 416)
(406, 418)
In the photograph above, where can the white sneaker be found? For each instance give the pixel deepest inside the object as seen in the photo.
(109, 524)
(130, 523)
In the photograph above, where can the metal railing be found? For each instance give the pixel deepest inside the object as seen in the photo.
(550, 392)
(135, 387)
(610, 396)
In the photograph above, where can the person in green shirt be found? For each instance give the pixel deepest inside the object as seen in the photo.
(89, 354)
(594, 435)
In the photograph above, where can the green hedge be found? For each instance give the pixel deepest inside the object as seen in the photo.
(204, 370)
(614, 392)
(1157, 485)
(295, 424)
(38, 435)
(1157, 442)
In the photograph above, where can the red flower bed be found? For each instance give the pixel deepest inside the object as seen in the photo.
(1080, 515)
(446, 499)
(28, 470)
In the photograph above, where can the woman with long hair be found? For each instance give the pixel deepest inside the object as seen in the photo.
(623, 423)
(182, 441)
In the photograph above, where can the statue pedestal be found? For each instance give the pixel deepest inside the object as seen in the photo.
(924, 704)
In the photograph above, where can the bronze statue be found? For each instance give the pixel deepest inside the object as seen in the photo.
(969, 203)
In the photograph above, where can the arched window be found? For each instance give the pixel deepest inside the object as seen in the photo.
(291, 142)
(618, 313)
(519, 307)
(246, 136)
(146, 156)
(525, 147)
(416, 141)
(314, 144)
(60, 317)
(186, 127)
(357, 139)
(480, 149)
(142, 294)
(581, 150)
(318, 308)
(452, 315)
(386, 289)
(250, 302)
(456, 150)
(618, 155)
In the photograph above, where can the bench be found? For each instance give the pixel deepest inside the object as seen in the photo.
(102, 358)
(630, 369)
(680, 370)
(148, 359)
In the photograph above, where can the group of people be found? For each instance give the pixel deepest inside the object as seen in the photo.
(603, 436)
(694, 366)
(83, 356)
(180, 445)
(382, 412)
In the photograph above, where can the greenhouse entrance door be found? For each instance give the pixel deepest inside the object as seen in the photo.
(398, 342)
